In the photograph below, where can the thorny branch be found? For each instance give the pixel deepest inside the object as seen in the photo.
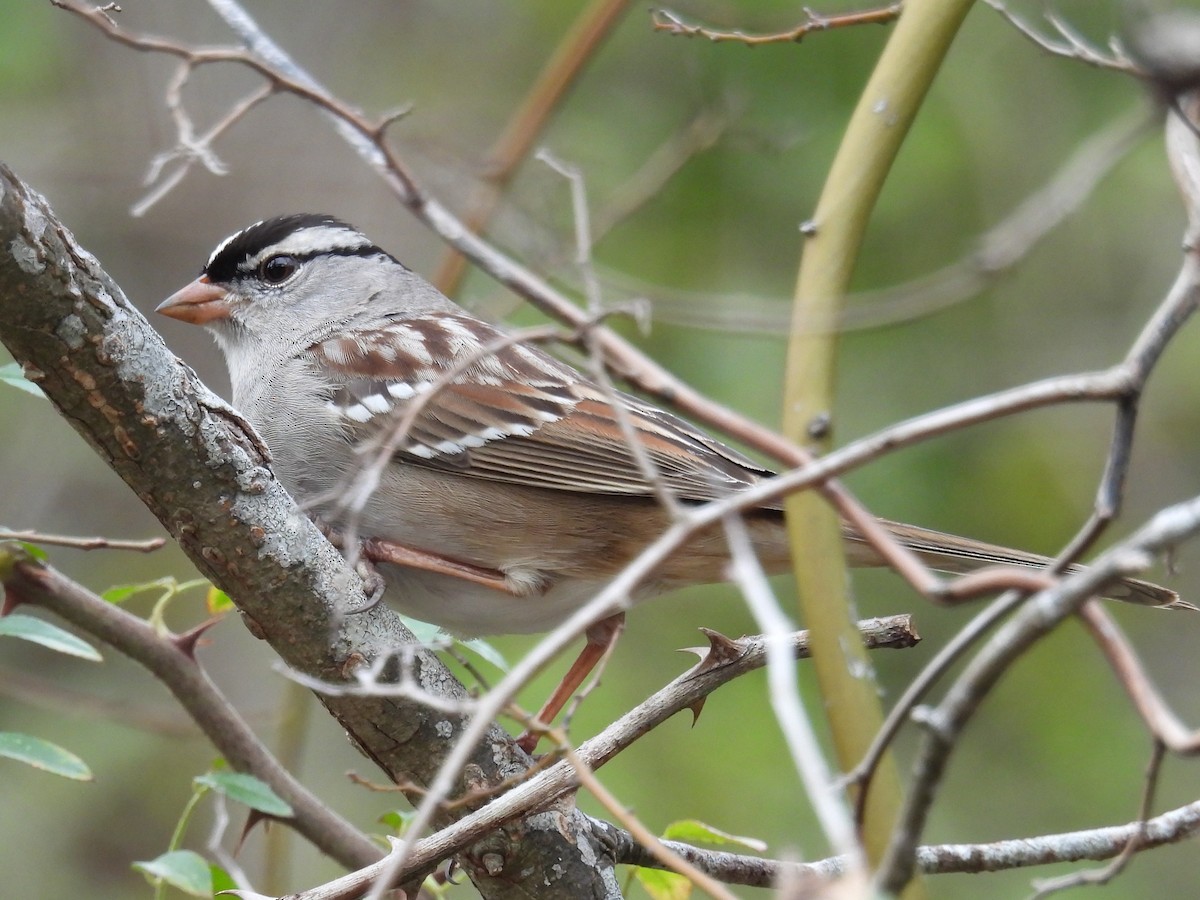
(723, 661)
(171, 659)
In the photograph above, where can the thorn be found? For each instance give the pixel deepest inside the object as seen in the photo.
(696, 709)
(253, 817)
(721, 650)
(12, 599)
(187, 641)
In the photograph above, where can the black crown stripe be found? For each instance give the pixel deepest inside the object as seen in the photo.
(227, 263)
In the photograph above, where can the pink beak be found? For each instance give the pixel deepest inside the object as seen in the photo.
(199, 303)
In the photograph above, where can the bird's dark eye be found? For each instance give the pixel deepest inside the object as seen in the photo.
(278, 269)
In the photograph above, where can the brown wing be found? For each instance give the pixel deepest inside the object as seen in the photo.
(482, 405)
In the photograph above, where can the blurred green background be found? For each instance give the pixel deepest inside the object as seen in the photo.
(1056, 748)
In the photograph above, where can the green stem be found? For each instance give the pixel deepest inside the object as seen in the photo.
(885, 111)
(198, 791)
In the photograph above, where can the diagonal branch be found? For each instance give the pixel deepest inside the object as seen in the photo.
(178, 669)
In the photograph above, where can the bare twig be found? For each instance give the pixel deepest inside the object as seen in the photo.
(915, 692)
(657, 848)
(672, 23)
(216, 843)
(942, 859)
(190, 149)
(1164, 725)
(1071, 44)
(82, 543)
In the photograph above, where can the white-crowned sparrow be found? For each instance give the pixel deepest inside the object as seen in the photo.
(515, 476)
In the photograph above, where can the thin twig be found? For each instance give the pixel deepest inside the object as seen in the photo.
(665, 20)
(191, 150)
(1163, 724)
(83, 543)
(943, 859)
(588, 780)
(964, 639)
(1072, 44)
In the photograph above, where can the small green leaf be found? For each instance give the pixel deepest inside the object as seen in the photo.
(13, 375)
(663, 885)
(48, 635)
(488, 652)
(425, 632)
(119, 593)
(248, 790)
(397, 819)
(434, 636)
(217, 601)
(221, 880)
(693, 832)
(43, 755)
(34, 550)
(181, 869)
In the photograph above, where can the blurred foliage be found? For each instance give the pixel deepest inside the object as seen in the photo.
(1055, 748)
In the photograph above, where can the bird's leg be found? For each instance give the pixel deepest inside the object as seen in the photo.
(379, 550)
(601, 639)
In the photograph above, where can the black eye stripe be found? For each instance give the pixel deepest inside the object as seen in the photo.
(241, 254)
(247, 267)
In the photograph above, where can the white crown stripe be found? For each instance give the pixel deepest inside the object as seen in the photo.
(229, 240)
(311, 242)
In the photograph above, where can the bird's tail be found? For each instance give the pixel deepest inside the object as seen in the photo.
(958, 555)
